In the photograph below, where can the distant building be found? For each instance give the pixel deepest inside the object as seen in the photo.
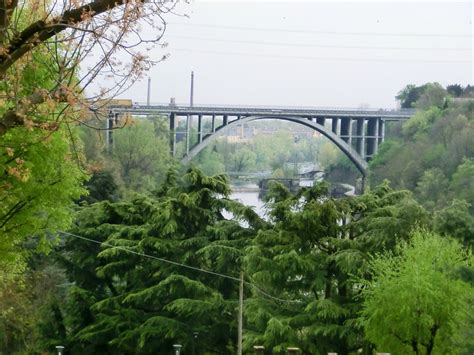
(240, 134)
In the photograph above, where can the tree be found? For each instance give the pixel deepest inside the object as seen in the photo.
(126, 303)
(442, 139)
(463, 181)
(142, 156)
(70, 32)
(455, 89)
(210, 162)
(424, 96)
(243, 160)
(42, 89)
(416, 302)
(409, 95)
(433, 95)
(431, 188)
(40, 173)
(456, 221)
(307, 257)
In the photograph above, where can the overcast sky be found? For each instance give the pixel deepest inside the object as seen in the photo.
(331, 54)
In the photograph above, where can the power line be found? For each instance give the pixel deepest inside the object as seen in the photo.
(375, 34)
(179, 264)
(340, 59)
(318, 45)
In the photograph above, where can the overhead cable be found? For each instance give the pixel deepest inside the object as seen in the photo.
(323, 32)
(340, 59)
(310, 45)
(179, 264)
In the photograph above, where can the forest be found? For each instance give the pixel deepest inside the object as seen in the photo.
(126, 251)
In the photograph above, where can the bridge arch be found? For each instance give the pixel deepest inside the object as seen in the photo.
(351, 153)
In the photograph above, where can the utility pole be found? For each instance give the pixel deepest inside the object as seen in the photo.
(191, 97)
(148, 92)
(241, 313)
(189, 117)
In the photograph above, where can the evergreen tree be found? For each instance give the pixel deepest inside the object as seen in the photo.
(307, 258)
(128, 303)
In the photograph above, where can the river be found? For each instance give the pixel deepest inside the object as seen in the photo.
(249, 198)
(248, 195)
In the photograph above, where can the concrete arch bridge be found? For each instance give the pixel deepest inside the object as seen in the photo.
(356, 132)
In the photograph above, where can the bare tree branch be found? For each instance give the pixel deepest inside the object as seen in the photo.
(42, 30)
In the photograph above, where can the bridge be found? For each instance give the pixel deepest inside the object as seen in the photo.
(357, 132)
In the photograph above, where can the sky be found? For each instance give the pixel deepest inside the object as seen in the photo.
(319, 54)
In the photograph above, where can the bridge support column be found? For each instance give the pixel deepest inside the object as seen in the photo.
(377, 135)
(200, 129)
(372, 132)
(381, 132)
(360, 132)
(335, 125)
(346, 128)
(225, 120)
(108, 132)
(213, 124)
(188, 129)
(112, 122)
(172, 126)
(321, 121)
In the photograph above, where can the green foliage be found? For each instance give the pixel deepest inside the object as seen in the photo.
(278, 153)
(456, 221)
(39, 163)
(127, 303)
(307, 257)
(462, 183)
(434, 95)
(422, 97)
(440, 171)
(416, 302)
(39, 183)
(15, 312)
(243, 160)
(421, 122)
(100, 187)
(432, 187)
(142, 156)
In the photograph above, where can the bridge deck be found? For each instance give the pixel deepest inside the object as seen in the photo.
(386, 114)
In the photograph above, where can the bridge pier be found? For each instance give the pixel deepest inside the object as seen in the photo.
(172, 120)
(188, 129)
(381, 133)
(372, 130)
(112, 121)
(360, 137)
(335, 125)
(346, 130)
(200, 129)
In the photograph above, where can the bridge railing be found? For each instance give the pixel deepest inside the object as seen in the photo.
(264, 109)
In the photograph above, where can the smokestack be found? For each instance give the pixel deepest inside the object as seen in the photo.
(148, 92)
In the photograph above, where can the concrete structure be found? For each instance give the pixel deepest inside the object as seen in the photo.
(357, 132)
